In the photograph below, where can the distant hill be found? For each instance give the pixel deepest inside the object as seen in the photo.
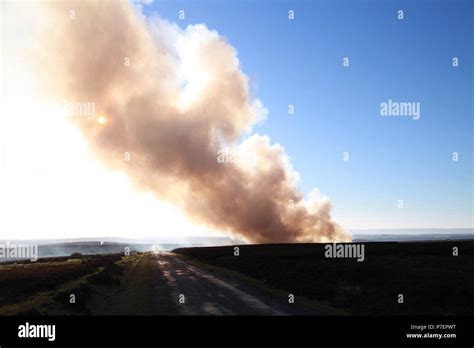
(110, 245)
(413, 235)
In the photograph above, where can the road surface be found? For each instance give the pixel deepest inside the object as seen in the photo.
(186, 288)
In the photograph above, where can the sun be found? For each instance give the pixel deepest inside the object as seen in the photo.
(101, 120)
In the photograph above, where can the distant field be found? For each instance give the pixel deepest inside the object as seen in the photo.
(432, 280)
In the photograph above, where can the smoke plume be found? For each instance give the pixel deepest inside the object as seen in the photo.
(176, 117)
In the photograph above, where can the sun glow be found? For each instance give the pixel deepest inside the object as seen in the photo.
(52, 187)
(101, 120)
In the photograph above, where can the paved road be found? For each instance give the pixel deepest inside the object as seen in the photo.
(209, 292)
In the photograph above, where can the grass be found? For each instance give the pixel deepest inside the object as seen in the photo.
(135, 293)
(45, 287)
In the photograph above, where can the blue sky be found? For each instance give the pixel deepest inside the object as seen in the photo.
(337, 109)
